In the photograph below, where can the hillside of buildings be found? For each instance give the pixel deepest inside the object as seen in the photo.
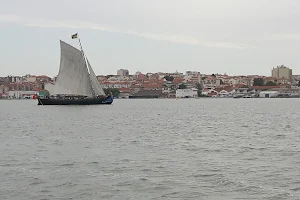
(191, 84)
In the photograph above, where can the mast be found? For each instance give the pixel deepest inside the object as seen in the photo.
(84, 57)
(82, 52)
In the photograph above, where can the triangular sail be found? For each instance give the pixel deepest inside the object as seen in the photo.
(95, 83)
(73, 77)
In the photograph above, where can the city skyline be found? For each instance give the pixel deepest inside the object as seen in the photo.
(233, 37)
(279, 72)
(152, 72)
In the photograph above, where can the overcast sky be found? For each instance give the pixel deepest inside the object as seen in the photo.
(210, 36)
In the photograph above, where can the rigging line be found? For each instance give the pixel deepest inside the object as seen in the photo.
(86, 64)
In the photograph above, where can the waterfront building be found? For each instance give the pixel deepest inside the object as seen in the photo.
(210, 82)
(124, 93)
(268, 94)
(17, 94)
(287, 92)
(116, 84)
(183, 93)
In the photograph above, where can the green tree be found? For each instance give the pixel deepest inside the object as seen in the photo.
(258, 82)
(114, 91)
(199, 87)
(182, 86)
(169, 78)
(213, 75)
(270, 83)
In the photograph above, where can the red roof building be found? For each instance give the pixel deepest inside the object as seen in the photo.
(141, 77)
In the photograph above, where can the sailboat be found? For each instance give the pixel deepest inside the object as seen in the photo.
(76, 83)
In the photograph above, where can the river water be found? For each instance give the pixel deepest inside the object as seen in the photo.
(151, 149)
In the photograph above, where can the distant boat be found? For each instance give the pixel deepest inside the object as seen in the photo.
(76, 82)
(238, 96)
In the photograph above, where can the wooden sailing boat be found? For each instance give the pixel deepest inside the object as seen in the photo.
(76, 82)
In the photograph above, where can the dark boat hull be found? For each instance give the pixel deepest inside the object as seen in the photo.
(92, 101)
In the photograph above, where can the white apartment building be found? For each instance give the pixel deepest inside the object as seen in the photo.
(182, 93)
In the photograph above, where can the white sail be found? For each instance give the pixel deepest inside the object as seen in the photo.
(95, 83)
(73, 77)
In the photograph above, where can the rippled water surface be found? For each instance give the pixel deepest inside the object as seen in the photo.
(151, 149)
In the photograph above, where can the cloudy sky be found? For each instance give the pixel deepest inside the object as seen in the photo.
(210, 36)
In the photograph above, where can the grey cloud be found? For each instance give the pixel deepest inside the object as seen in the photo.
(45, 23)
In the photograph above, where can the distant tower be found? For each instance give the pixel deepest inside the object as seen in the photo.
(282, 72)
(123, 72)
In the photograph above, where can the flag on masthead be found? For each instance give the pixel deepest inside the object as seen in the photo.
(75, 36)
